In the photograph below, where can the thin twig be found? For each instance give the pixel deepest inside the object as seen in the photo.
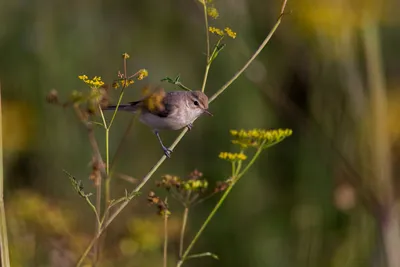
(184, 131)
(5, 255)
(200, 255)
(208, 61)
(182, 238)
(165, 239)
(187, 251)
(221, 200)
(260, 48)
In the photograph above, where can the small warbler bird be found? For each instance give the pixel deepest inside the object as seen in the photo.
(168, 111)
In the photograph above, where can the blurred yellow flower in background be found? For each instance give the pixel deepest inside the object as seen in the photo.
(19, 121)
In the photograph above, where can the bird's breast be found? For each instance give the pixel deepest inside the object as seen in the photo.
(174, 121)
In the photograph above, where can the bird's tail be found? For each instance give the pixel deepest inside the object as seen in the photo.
(122, 107)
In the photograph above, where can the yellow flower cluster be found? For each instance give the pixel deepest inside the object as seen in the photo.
(95, 82)
(193, 185)
(230, 33)
(122, 83)
(143, 73)
(232, 156)
(212, 12)
(216, 31)
(221, 33)
(254, 138)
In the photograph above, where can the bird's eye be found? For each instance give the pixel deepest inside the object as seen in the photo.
(196, 103)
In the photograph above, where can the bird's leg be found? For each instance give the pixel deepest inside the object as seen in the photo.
(189, 126)
(167, 151)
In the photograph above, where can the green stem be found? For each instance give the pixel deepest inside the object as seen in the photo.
(94, 210)
(258, 152)
(221, 200)
(184, 221)
(260, 48)
(210, 216)
(5, 255)
(107, 188)
(208, 63)
(107, 185)
(103, 118)
(121, 95)
(205, 77)
(165, 240)
(184, 131)
(87, 250)
(200, 255)
(207, 32)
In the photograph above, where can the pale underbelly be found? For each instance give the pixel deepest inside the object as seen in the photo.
(162, 123)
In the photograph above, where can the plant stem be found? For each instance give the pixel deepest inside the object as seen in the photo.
(200, 255)
(165, 239)
(184, 131)
(107, 188)
(5, 255)
(260, 48)
(121, 95)
(108, 180)
(207, 33)
(221, 200)
(208, 63)
(210, 216)
(97, 211)
(184, 221)
(205, 77)
(258, 152)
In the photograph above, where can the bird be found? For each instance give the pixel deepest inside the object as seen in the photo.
(168, 111)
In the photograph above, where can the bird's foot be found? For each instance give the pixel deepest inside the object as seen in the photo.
(189, 126)
(167, 151)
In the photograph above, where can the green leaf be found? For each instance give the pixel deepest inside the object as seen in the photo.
(77, 185)
(218, 48)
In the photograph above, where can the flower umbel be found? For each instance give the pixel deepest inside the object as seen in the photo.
(256, 137)
(227, 31)
(143, 73)
(230, 33)
(232, 156)
(216, 31)
(95, 82)
(212, 12)
(189, 191)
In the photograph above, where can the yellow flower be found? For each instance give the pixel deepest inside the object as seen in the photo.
(127, 83)
(195, 185)
(143, 73)
(212, 12)
(216, 31)
(125, 56)
(255, 137)
(95, 82)
(230, 33)
(232, 156)
(83, 77)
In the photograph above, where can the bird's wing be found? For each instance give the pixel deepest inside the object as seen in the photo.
(159, 103)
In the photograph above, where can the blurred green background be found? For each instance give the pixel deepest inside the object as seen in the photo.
(327, 196)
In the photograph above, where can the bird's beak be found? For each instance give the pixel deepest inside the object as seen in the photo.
(207, 112)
